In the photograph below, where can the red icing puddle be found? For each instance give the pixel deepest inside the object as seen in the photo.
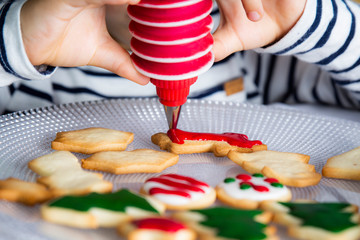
(234, 139)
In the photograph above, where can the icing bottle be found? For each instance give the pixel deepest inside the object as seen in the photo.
(171, 43)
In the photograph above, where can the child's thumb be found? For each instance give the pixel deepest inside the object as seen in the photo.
(225, 43)
(113, 57)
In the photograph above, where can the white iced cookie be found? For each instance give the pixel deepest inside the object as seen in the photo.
(249, 191)
(179, 192)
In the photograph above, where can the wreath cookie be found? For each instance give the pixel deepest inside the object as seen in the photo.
(249, 191)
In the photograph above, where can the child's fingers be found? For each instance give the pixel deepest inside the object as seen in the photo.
(254, 9)
(114, 58)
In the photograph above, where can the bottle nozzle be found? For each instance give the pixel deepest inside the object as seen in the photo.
(172, 116)
(173, 93)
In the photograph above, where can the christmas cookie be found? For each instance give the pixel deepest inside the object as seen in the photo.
(248, 191)
(343, 166)
(100, 210)
(153, 228)
(179, 192)
(291, 169)
(92, 140)
(61, 172)
(313, 221)
(228, 223)
(136, 161)
(28, 193)
(181, 142)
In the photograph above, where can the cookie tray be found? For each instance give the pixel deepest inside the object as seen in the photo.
(28, 134)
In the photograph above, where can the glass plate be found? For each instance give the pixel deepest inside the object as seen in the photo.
(27, 135)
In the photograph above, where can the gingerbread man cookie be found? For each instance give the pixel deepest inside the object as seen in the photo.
(179, 192)
(248, 191)
(182, 142)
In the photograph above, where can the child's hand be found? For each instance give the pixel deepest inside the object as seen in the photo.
(73, 33)
(248, 24)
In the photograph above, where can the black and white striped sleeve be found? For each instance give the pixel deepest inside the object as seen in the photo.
(14, 63)
(327, 35)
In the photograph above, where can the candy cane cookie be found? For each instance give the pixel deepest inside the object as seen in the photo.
(249, 191)
(179, 192)
(155, 228)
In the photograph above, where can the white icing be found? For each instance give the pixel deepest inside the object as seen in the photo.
(175, 200)
(234, 191)
(173, 42)
(177, 77)
(173, 60)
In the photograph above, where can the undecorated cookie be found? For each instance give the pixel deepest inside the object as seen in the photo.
(136, 161)
(344, 166)
(61, 172)
(291, 169)
(92, 140)
(28, 193)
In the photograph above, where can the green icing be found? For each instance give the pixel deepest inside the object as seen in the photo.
(328, 216)
(276, 184)
(258, 175)
(234, 223)
(229, 180)
(117, 201)
(245, 186)
(315, 207)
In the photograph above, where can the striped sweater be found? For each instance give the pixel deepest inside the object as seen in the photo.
(318, 61)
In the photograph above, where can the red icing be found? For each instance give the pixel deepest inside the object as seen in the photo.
(234, 139)
(256, 187)
(187, 179)
(154, 191)
(175, 184)
(271, 180)
(244, 177)
(172, 69)
(180, 185)
(163, 224)
(171, 52)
